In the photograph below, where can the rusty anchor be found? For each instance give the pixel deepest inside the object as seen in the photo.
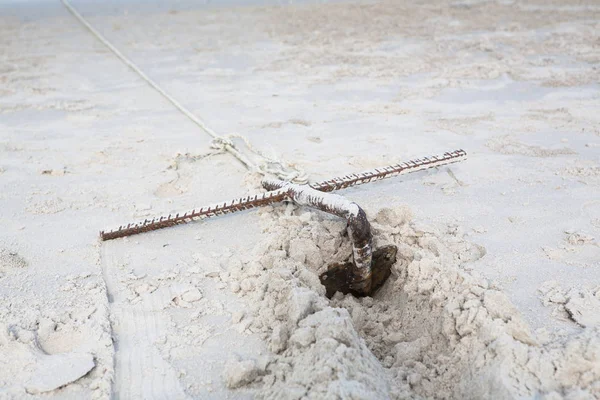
(368, 270)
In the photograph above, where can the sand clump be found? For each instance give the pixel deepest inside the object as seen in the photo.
(435, 330)
(10, 260)
(582, 305)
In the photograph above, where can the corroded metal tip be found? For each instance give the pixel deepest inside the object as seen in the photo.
(340, 278)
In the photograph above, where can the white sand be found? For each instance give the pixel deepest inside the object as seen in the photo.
(86, 145)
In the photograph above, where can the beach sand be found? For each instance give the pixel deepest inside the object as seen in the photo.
(496, 291)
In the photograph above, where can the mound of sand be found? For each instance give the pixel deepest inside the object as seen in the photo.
(435, 330)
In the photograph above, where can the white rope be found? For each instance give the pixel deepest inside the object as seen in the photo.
(266, 165)
(273, 166)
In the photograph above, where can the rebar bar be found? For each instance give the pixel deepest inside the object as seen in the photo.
(390, 171)
(275, 196)
(239, 204)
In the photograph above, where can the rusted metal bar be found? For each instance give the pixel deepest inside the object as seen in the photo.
(263, 199)
(390, 171)
(239, 204)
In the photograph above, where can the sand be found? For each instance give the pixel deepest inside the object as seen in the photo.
(495, 292)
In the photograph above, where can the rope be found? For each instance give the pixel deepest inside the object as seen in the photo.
(266, 165)
(273, 166)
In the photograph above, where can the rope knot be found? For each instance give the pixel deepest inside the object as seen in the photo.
(221, 143)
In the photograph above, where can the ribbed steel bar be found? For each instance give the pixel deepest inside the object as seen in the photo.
(275, 196)
(390, 171)
(239, 204)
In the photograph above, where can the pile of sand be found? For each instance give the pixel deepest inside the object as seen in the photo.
(434, 330)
